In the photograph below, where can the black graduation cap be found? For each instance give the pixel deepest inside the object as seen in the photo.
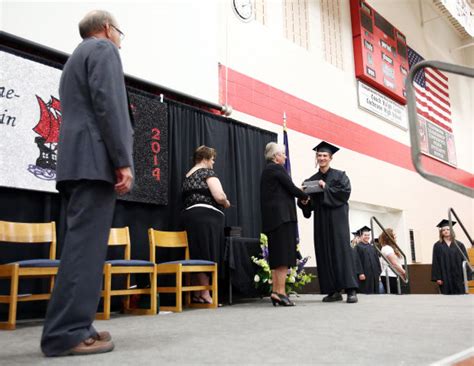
(356, 233)
(324, 146)
(444, 223)
(364, 229)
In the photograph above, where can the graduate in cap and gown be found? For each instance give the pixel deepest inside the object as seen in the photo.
(355, 239)
(334, 255)
(446, 269)
(369, 275)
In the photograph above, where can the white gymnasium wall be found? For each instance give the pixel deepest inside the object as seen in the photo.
(263, 53)
(178, 44)
(169, 42)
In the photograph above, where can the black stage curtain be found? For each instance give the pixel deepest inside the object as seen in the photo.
(240, 161)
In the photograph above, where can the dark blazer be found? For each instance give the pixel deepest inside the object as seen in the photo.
(277, 197)
(96, 134)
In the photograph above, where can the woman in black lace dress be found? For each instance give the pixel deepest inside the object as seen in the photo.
(203, 216)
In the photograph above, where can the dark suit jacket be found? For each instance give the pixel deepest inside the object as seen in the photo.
(96, 135)
(277, 197)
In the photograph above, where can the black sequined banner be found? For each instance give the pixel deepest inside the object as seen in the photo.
(150, 150)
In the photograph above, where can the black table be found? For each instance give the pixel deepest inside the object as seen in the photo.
(238, 259)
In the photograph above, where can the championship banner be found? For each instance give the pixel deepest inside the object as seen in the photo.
(436, 142)
(30, 118)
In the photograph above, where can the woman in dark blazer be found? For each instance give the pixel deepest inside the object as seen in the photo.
(277, 200)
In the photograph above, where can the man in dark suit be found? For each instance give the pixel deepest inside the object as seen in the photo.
(94, 163)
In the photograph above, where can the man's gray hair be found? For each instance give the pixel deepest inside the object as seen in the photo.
(94, 21)
(272, 149)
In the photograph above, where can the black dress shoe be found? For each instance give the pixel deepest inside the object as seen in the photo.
(351, 297)
(275, 299)
(285, 301)
(335, 296)
(282, 300)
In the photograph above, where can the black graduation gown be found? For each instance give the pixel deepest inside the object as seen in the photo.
(371, 268)
(447, 267)
(358, 265)
(334, 255)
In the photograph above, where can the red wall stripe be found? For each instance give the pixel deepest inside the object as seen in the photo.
(263, 101)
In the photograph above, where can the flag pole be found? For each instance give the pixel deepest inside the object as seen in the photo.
(288, 169)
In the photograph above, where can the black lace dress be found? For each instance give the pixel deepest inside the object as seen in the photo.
(202, 218)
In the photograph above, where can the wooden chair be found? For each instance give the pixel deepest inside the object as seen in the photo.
(22, 233)
(126, 266)
(179, 239)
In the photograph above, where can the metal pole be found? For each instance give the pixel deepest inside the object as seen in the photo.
(387, 282)
(464, 272)
(460, 224)
(451, 231)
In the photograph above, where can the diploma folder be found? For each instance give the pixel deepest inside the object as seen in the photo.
(311, 186)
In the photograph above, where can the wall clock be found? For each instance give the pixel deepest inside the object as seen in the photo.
(243, 9)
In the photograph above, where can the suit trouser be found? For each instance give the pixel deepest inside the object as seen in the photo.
(73, 305)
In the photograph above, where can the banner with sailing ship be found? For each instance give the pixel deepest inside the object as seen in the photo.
(30, 118)
(29, 123)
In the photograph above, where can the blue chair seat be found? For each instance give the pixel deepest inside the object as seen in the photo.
(192, 262)
(130, 263)
(39, 263)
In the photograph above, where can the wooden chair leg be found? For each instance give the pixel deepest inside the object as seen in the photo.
(214, 288)
(107, 289)
(13, 301)
(153, 294)
(105, 314)
(179, 291)
(126, 300)
(51, 283)
(187, 295)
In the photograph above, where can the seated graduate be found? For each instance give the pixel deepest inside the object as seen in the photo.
(446, 268)
(369, 277)
(393, 255)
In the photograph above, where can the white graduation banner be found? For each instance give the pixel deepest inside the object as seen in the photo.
(29, 123)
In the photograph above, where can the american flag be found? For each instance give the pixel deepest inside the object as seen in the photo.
(432, 93)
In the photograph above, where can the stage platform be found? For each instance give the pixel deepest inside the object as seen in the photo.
(379, 330)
